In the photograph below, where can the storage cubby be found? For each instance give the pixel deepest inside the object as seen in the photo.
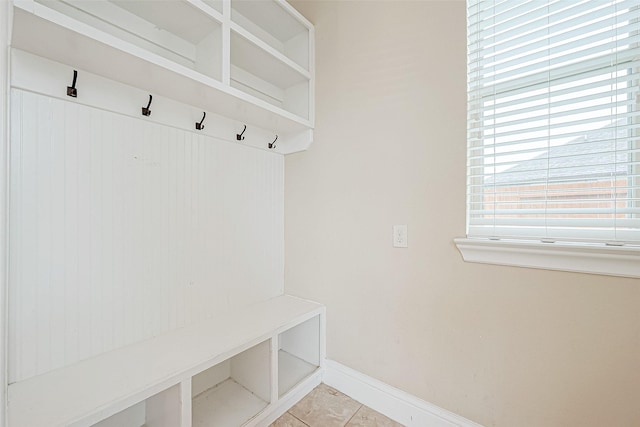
(236, 387)
(298, 354)
(234, 391)
(161, 410)
(258, 73)
(275, 24)
(175, 30)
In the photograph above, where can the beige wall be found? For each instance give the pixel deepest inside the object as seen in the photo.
(501, 346)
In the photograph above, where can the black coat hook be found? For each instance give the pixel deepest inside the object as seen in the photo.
(145, 110)
(71, 90)
(239, 136)
(199, 126)
(273, 144)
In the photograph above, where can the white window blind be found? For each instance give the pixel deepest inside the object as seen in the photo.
(554, 120)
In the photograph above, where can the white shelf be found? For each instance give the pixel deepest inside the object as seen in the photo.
(227, 404)
(216, 5)
(193, 41)
(99, 387)
(186, 62)
(267, 75)
(244, 48)
(278, 25)
(292, 370)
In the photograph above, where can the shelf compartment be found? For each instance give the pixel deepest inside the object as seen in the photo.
(260, 74)
(235, 391)
(175, 30)
(298, 354)
(278, 24)
(160, 410)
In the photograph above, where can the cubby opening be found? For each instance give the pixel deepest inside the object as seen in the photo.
(234, 391)
(161, 410)
(177, 31)
(270, 22)
(258, 73)
(298, 354)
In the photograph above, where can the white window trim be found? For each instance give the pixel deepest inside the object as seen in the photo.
(621, 261)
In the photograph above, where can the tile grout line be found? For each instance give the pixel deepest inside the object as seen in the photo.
(298, 419)
(354, 414)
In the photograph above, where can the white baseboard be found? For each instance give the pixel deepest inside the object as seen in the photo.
(390, 401)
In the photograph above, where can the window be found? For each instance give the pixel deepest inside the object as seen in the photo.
(554, 121)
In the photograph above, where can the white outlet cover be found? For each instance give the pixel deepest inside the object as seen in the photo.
(400, 236)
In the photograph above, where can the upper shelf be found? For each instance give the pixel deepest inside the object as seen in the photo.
(187, 50)
(261, 72)
(277, 24)
(192, 41)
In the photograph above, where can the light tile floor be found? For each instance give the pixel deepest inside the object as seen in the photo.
(327, 407)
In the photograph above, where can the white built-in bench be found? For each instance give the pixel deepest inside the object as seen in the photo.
(237, 369)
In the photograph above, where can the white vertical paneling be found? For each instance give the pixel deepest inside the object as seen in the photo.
(71, 213)
(118, 214)
(107, 221)
(15, 254)
(58, 238)
(167, 306)
(95, 142)
(172, 231)
(122, 229)
(84, 197)
(29, 239)
(6, 16)
(43, 230)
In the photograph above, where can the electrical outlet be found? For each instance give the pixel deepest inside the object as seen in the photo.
(400, 236)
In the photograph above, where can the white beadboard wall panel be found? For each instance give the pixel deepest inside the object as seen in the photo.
(122, 229)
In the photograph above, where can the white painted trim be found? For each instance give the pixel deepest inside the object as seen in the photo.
(294, 12)
(390, 401)
(40, 75)
(6, 21)
(576, 257)
(186, 402)
(207, 9)
(286, 402)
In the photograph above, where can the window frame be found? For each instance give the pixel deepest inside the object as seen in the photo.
(579, 256)
(623, 261)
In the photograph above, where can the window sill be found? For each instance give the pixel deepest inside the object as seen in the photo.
(582, 258)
